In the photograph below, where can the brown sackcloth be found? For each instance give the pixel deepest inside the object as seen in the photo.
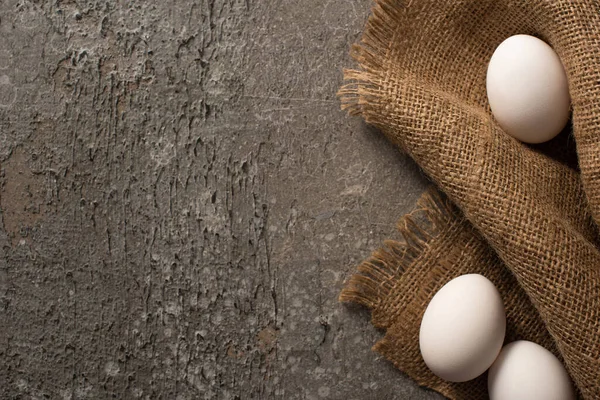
(522, 218)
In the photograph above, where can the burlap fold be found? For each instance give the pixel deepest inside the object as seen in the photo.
(523, 217)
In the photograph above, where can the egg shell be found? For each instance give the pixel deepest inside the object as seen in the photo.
(527, 89)
(463, 328)
(526, 371)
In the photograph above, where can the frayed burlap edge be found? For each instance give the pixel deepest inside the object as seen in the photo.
(376, 276)
(359, 94)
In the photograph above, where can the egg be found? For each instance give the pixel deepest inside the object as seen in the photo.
(527, 371)
(527, 89)
(463, 328)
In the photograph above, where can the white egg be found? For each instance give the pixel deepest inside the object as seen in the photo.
(527, 89)
(463, 328)
(527, 371)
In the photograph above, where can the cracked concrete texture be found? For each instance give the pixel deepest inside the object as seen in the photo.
(182, 199)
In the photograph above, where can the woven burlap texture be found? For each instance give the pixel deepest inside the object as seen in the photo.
(522, 217)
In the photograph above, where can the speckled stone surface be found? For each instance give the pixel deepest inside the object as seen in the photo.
(182, 199)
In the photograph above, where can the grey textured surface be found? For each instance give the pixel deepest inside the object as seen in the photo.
(182, 199)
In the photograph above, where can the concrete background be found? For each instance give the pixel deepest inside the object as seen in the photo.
(181, 200)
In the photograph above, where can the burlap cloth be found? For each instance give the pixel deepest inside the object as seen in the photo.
(517, 214)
